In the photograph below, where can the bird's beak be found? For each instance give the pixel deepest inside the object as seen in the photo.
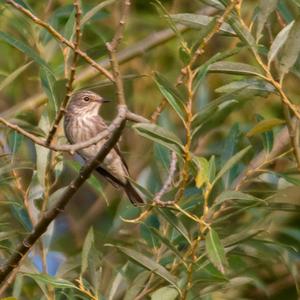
(102, 100)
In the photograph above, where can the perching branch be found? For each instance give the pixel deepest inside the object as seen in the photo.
(69, 85)
(51, 214)
(74, 147)
(61, 38)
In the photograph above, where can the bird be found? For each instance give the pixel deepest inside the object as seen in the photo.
(82, 122)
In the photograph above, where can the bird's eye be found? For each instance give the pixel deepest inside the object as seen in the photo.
(86, 98)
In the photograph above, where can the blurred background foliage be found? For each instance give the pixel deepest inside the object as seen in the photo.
(246, 245)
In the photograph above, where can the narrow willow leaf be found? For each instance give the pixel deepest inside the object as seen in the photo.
(199, 21)
(231, 162)
(48, 80)
(159, 135)
(165, 293)
(95, 10)
(87, 245)
(212, 169)
(168, 243)
(235, 195)
(265, 125)
(215, 250)
(148, 263)
(290, 50)
(175, 222)
(229, 149)
(243, 33)
(267, 136)
(279, 41)
(137, 285)
(203, 172)
(12, 76)
(52, 281)
(257, 85)
(116, 284)
(25, 49)
(233, 68)
(266, 8)
(171, 95)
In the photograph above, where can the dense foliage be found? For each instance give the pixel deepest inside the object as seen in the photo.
(218, 163)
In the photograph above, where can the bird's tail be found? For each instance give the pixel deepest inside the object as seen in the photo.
(133, 195)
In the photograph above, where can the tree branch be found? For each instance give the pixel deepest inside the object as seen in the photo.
(69, 85)
(51, 214)
(60, 38)
(112, 48)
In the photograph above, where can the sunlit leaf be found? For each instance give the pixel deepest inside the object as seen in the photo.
(264, 126)
(215, 250)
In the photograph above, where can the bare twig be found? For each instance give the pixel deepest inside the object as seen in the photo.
(112, 48)
(74, 147)
(168, 183)
(69, 85)
(61, 38)
(152, 41)
(51, 214)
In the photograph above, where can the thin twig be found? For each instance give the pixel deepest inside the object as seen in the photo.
(112, 49)
(61, 38)
(74, 147)
(51, 214)
(69, 85)
(141, 47)
(168, 183)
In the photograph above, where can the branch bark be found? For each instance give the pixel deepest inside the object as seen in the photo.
(41, 227)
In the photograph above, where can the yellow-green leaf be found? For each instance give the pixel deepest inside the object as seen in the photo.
(203, 170)
(264, 125)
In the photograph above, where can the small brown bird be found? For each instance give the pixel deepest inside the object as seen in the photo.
(81, 123)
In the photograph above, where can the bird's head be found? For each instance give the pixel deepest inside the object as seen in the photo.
(85, 102)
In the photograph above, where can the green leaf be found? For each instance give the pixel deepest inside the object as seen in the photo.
(243, 33)
(165, 293)
(95, 10)
(266, 7)
(231, 162)
(235, 195)
(137, 285)
(171, 95)
(175, 222)
(199, 21)
(279, 41)
(148, 263)
(113, 291)
(233, 68)
(25, 49)
(48, 80)
(12, 76)
(203, 172)
(290, 50)
(159, 135)
(52, 281)
(168, 243)
(256, 85)
(215, 250)
(87, 245)
(265, 125)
